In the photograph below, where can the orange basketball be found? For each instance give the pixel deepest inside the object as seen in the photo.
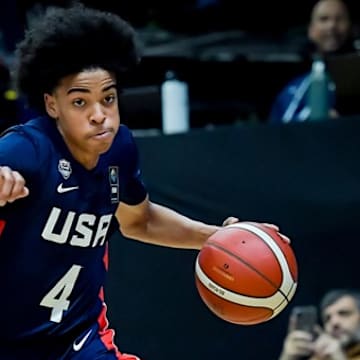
(246, 273)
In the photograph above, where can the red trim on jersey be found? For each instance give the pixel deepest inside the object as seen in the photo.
(2, 226)
(107, 335)
(106, 257)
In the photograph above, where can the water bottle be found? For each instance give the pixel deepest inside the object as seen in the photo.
(318, 93)
(174, 104)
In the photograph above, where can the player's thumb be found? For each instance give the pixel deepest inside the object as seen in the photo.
(230, 220)
(25, 192)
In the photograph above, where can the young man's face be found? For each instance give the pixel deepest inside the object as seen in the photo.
(342, 320)
(330, 25)
(85, 106)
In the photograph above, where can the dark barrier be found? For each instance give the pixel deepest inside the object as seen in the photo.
(303, 177)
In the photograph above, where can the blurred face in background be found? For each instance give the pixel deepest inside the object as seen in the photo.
(342, 320)
(330, 25)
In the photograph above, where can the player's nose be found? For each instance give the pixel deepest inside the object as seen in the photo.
(97, 114)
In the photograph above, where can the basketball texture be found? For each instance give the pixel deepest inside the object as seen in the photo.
(246, 273)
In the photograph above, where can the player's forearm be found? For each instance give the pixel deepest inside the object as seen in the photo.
(168, 228)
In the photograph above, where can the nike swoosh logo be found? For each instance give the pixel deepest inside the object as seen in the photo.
(78, 345)
(61, 189)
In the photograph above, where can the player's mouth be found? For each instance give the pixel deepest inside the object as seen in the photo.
(103, 134)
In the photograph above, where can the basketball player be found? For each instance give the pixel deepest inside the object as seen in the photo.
(62, 178)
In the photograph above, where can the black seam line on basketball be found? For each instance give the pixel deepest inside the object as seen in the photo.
(254, 233)
(276, 259)
(285, 296)
(246, 263)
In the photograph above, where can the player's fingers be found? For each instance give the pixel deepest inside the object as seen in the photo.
(12, 185)
(271, 226)
(6, 183)
(230, 220)
(23, 193)
(285, 238)
(276, 228)
(5, 172)
(18, 189)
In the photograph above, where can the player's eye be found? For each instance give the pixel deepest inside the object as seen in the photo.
(78, 102)
(109, 99)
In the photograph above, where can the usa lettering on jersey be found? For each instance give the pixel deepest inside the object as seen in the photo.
(83, 230)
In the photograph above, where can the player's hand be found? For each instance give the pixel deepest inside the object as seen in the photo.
(276, 228)
(328, 347)
(233, 220)
(297, 344)
(230, 220)
(12, 186)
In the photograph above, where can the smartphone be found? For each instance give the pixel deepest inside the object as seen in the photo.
(305, 318)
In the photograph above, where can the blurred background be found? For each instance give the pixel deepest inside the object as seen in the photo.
(234, 56)
(212, 152)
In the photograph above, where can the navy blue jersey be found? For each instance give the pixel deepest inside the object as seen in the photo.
(53, 242)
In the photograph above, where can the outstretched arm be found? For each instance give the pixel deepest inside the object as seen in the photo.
(156, 224)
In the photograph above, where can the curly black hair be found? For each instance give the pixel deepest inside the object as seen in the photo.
(65, 41)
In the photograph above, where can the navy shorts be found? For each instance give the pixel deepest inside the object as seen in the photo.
(92, 344)
(95, 344)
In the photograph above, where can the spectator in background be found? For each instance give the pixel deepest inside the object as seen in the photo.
(13, 109)
(330, 32)
(339, 339)
(8, 99)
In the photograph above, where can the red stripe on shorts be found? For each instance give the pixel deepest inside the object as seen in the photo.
(107, 335)
(2, 226)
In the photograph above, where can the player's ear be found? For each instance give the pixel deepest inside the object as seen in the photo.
(50, 106)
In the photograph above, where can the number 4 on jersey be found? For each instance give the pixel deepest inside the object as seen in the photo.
(57, 298)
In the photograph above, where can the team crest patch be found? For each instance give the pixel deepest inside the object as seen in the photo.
(114, 184)
(64, 168)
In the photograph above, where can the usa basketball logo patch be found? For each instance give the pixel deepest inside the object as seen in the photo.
(64, 168)
(114, 184)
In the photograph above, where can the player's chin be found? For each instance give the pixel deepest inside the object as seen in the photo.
(102, 144)
(103, 147)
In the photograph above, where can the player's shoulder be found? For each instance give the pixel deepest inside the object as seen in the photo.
(30, 138)
(33, 130)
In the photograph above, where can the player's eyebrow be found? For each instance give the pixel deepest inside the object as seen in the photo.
(111, 86)
(85, 90)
